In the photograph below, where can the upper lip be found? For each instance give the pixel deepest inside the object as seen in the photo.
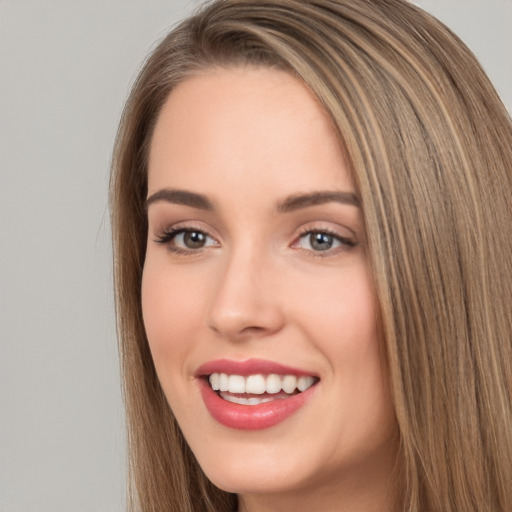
(248, 367)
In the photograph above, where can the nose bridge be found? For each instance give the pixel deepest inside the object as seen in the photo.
(243, 303)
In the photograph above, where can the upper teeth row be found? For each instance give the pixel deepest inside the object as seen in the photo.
(259, 384)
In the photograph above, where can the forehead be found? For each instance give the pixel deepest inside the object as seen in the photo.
(248, 127)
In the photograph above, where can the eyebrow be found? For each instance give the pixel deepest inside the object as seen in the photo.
(183, 197)
(289, 204)
(299, 201)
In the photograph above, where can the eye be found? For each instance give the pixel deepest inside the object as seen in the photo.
(322, 241)
(186, 239)
(191, 239)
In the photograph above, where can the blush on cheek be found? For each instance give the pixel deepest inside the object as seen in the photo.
(154, 307)
(169, 312)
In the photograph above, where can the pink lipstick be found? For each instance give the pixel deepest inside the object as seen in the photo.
(253, 394)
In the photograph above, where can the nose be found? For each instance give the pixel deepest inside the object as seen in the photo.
(246, 303)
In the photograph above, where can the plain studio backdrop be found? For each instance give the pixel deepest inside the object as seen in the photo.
(65, 71)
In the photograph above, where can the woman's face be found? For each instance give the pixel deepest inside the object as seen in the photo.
(256, 279)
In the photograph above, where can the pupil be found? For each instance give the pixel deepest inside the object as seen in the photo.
(194, 239)
(321, 241)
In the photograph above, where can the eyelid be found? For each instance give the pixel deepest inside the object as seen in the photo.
(340, 231)
(163, 226)
(168, 234)
(346, 242)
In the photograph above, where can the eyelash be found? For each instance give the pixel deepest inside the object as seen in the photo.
(168, 236)
(344, 241)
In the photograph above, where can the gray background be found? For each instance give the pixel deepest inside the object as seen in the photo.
(65, 70)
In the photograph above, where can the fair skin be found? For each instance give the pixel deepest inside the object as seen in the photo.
(249, 272)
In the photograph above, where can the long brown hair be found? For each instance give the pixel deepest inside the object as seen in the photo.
(430, 148)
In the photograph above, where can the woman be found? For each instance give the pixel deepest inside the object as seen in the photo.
(311, 222)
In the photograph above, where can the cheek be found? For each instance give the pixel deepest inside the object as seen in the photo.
(358, 348)
(340, 315)
(342, 321)
(168, 313)
(365, 379)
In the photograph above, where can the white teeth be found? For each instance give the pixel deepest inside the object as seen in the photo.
(215, 381)
(258, 384)
(273, 383)
(289, 383)
(304, 382)
(236, 384)
(223, 382)
(255, 384)
(246, 401)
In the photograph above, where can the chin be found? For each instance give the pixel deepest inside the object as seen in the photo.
(255, 478)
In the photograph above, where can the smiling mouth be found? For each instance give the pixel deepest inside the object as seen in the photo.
(258, 388)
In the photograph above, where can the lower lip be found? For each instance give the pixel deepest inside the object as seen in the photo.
(252, 417)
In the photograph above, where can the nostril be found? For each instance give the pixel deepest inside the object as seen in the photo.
(237, 330)
(241, 306)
